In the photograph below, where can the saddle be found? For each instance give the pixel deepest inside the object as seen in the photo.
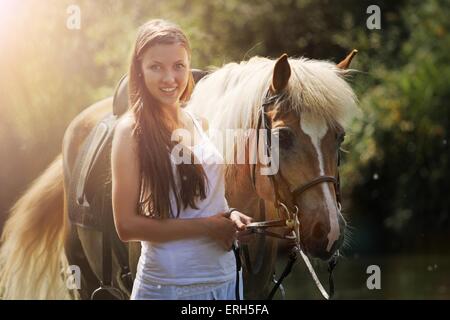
(90, 188)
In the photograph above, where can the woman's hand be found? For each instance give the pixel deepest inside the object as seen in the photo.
(241, 220)
(225, 228)
(222, 229)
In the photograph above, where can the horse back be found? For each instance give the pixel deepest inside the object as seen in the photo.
(80, 127)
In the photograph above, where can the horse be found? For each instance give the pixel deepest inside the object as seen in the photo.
(305, 103)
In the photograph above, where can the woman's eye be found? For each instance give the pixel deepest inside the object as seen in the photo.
(155, 67)
(179, 66)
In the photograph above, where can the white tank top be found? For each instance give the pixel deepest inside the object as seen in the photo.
(199, 260)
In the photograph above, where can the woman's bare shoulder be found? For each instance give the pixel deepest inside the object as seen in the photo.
(123, 135)
(126, 122)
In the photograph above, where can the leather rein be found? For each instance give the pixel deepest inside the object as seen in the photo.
(285, 204)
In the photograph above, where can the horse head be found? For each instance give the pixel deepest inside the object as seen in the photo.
(306, 107)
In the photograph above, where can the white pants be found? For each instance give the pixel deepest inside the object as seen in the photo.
(202, 291)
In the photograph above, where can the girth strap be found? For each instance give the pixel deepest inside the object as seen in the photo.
(106, 283)
(106, 245)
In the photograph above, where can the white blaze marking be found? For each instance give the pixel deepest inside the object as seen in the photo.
(316, 129)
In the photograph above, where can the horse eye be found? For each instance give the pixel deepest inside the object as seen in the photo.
(340, 137)
(286, 138)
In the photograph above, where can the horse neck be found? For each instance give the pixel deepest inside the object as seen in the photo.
(240, 192)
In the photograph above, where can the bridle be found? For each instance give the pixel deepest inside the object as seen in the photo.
(285, 204)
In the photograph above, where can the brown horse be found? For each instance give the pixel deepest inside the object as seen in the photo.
(308, 119)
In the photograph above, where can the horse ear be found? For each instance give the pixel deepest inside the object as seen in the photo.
(344, 64)
(281, 74)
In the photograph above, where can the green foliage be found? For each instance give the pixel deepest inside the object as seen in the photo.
(406, 137)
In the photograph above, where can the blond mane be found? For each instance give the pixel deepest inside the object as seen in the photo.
(238, 90)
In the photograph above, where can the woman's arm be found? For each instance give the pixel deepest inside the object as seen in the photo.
(130, 225)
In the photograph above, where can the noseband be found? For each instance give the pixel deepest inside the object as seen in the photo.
(285, 203)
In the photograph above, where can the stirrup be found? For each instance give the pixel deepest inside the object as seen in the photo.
(114, 292)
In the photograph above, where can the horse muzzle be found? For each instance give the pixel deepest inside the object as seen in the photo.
(317, 244)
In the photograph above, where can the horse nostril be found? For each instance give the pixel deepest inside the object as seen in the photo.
(319, 231)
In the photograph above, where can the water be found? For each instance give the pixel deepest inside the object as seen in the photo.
(401, 277)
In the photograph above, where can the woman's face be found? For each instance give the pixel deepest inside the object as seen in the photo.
(166, 72)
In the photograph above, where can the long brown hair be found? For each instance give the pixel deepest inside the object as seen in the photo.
(152, 132)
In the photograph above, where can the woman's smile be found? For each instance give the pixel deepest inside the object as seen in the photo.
(169, 92)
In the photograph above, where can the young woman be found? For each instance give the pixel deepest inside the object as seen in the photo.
(177, 211)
